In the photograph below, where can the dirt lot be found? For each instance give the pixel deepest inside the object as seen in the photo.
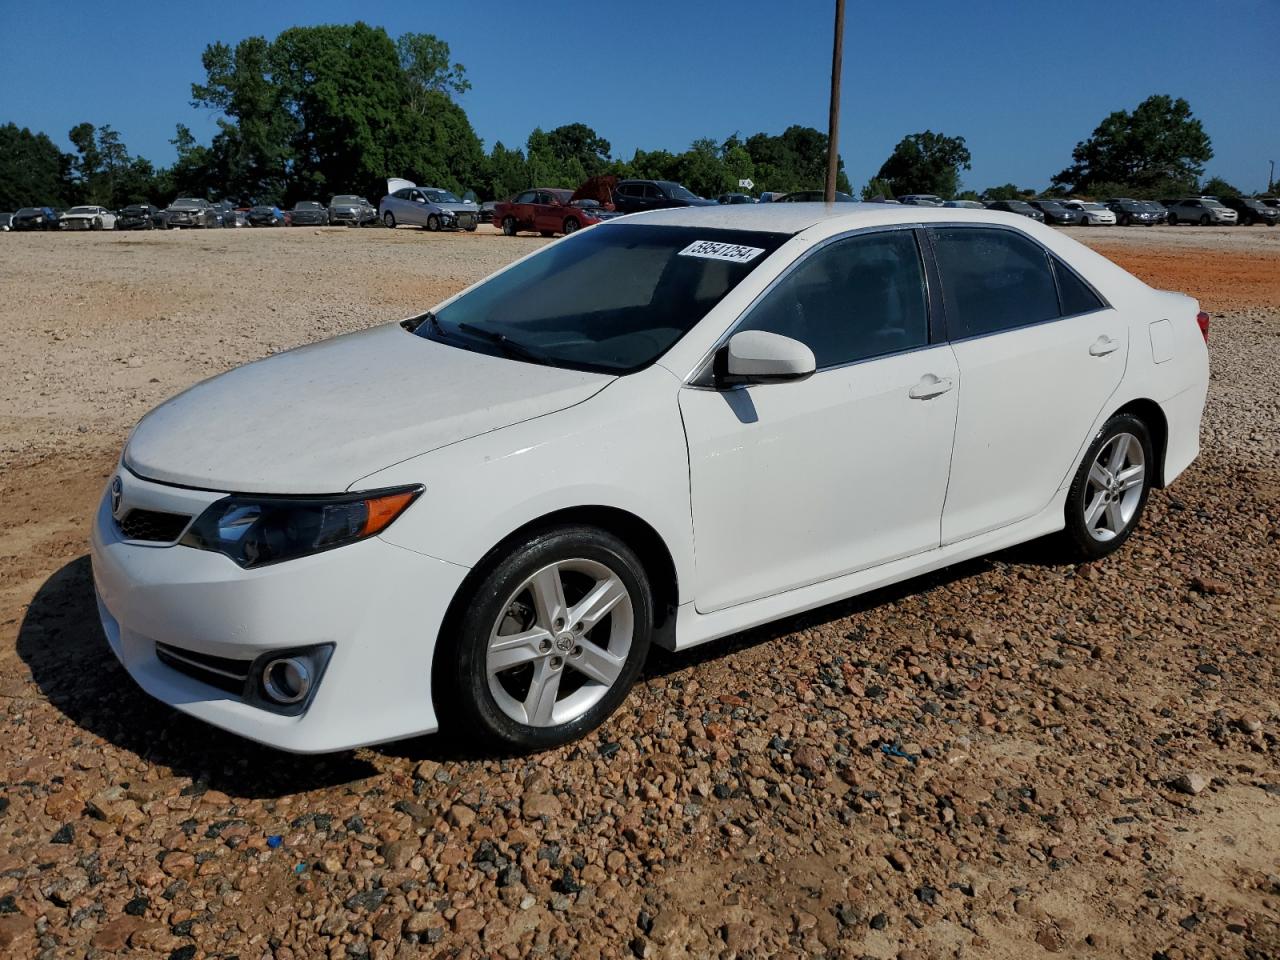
(1094, 751)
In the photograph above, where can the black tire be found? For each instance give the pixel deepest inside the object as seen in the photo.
(1125, 221)
(433, 223)
(461, 677)
(96, 225)
(471, 229)
(571, 225)
(389, 220)
(1080, 543)
(1204, 220)
(509, 226)
(1173, 220)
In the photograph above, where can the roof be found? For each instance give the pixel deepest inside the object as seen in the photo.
(795, 217)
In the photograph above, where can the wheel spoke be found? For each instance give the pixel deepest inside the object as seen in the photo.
(597, 664)
(1099, 475)
(1131, 477)
(548, 598)
(515, 650)
(1115, 517)
(543, 689)
(602, 598)
(1094, 510)
(1119, 453)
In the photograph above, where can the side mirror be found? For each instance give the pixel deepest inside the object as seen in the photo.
(757, 356)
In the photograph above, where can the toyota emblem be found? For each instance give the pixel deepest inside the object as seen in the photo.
(117, 488)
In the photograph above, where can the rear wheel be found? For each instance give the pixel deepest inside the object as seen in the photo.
(389, 219)
(509, 226)
(550, 640)
(1110, 489)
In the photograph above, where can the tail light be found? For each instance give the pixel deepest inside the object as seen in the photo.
(1202, 319)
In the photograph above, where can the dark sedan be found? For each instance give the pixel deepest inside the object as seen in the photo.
(35, 218)
(1056, 214)
(309, 213)
(1251, 211)
(735, 198)
(1140, 212)
(265, 215)
(634, 196)
(812, 196)
(1020, 207)
(140, 216)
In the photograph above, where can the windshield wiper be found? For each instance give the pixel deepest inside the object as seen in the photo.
(512, 348)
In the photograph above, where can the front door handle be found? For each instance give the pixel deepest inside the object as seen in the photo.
(1103, 345)
(929, 387)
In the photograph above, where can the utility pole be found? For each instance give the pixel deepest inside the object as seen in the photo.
(1271, 176)
(833, 119)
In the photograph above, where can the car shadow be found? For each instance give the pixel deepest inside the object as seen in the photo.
(63, 645)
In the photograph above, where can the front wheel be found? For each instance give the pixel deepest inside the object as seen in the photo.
(550, 640)
(570, 226)
(1204, 219)
(509, 226)
(1110, 489)
(433, 223)
(1173, 220)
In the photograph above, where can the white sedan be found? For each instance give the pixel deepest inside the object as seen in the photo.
(663, 429)
(1095, 214)
(87, 218)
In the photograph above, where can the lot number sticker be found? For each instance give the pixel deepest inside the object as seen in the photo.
(710, 250)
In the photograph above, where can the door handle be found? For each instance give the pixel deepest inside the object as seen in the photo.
(929, 387)
(1103, 345)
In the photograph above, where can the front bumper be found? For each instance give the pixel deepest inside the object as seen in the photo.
(380, 606)
(75, 224)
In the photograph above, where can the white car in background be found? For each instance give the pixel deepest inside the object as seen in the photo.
(1095, 214)
(87, 218)
(665, 429)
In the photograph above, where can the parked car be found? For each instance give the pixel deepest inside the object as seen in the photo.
(187, 212)
(735, 198)
(921, 200)
(352, 211)
(633, 196)
(485, 214)
(1055, 213)
(1250, 211)
(1095, 214)
(1206, 211)
(548, 211)
(87, 218)
(812, 196)
(6, 218)
(1271, 201)
(34, 218)
(607, 447)
(429, 207)
(309, 213)
(1130, 212)
(964, 204)
(771, 196)
(265, 215)
(1020, 207)
(140, 216)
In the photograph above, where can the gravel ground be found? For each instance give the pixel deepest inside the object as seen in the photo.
(1009, 759)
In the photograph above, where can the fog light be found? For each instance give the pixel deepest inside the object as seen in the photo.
(286, 680)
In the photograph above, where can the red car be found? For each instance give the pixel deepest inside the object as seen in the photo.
(548, 211)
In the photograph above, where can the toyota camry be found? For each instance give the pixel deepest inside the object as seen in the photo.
(662, 429)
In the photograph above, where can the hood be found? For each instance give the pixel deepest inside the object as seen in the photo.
(318, 418)
(460, 207)
(395, 183)
(597, 188)
(702, 202)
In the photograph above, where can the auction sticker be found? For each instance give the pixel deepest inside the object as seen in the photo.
(711, 250)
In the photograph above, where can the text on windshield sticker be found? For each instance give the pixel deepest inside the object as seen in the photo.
(711, 250)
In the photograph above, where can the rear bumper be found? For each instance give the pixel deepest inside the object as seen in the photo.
(380, 606)
(1183, 413)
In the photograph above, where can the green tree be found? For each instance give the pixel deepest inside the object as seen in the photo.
(88, 161)
(1217, 187)
(794, 160)
(1006, 191)
(33, 171)
(577, 141)
(424, 58)
(1158, 147)
(506, 173)
(926, 162)
(702, 170)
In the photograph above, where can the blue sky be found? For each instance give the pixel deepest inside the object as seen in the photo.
(1021, 80)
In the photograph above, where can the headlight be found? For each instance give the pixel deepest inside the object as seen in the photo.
(255, 531)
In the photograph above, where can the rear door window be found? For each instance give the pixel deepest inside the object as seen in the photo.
(994, 280)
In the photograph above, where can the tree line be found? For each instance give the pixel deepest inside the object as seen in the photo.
(336, 109)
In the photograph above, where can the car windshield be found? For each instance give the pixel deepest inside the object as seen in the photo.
(1018, 205)
(612, 299)
(184, 204)
(678, 192)
(347, 199)
(308, 205)
(441, 196)
(1212, 203)
(263, 209)
(28, 211)
(1051, 205)
(83, 210)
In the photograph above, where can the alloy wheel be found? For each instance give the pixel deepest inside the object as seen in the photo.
(560, 643)
(389, 219)
(1117, 479)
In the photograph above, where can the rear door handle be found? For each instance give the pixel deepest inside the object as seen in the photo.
(929, 387)
(1103, 345)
